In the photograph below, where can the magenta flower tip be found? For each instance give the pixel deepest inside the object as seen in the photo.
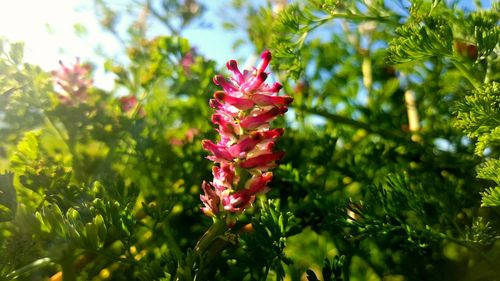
(219, 79)
(232, 65)
(266, 55)
(266, 58)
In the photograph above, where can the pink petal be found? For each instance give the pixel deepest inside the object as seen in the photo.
(224, 176)
(240, 103)
(272, 134)
(219, 153)
(246, 144)
(252, 122)
(254, 83)
(238, 202)
(262, 161)
(219, 80)
(225, 126)
(264, 100)
(232, 65)
(257, 184)
(210, 200)
(224, 108)
(276, 87)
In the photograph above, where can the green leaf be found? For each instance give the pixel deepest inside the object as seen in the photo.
(229, 26)
(102, 231)
(481, 232)
(8, 202)
(491, 197)
(418, 40)
(390, 87)
(27, 151)
(80, 29)
(311, 276)
(490, 171)
(16, 52)
(53, 218)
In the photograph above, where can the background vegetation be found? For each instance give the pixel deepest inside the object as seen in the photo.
(392, 166)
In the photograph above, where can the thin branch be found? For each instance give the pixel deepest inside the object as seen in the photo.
(162, 18)
(354, 123)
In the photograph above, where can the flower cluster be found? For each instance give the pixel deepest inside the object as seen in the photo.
(73, 82)
(244, 154)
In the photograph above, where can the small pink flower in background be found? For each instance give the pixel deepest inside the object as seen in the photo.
(244, 154)
(190, 134)
(73, 82)
(187, 138)
(188, 60)
(129, 103)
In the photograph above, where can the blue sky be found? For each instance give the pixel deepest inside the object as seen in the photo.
(48, 30)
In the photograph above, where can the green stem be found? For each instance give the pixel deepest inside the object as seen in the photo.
(172, 242)
(217, 229)
(68, 271)
(358, 17)
(346, 267)
(487, 76)
(332, 16)
(185, 270)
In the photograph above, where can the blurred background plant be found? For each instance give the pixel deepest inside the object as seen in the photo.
(392, 148)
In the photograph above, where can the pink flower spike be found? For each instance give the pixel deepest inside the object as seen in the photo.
(252, 122)
(188, 60)
(264, 100)
(263, 161)
(73, 82)
(244, 153)
(240, 103)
